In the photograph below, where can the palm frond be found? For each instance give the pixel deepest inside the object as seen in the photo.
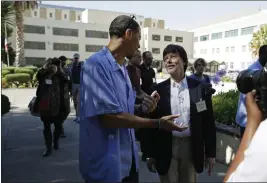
(258, 39)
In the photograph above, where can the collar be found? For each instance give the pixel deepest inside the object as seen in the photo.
(111, 59)
(182, 83)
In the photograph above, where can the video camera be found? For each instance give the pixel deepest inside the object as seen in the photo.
(249, 80)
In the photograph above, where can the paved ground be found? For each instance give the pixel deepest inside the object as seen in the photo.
(22, 146)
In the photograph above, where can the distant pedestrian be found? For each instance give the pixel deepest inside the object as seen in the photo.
(200, 67)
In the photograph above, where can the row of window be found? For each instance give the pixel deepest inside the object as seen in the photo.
(227, 34)
(34, 45)
(156, 37)
(33, 29)
(51, 16)
(227, 50)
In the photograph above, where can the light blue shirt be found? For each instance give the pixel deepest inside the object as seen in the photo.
(241, 115)
(105, 153)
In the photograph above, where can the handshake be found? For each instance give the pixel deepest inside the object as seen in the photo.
(149, 104)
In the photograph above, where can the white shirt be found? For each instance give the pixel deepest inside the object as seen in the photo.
(253, 167)
(180, 104)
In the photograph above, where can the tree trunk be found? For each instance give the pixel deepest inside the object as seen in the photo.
(20, 59)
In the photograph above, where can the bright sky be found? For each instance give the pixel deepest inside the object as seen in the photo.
(179, 15)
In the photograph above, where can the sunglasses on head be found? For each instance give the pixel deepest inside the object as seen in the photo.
(130, 21)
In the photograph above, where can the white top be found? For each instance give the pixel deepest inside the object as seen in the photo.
(253, 167)
(180, 104)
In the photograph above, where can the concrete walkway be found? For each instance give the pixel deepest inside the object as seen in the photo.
(23, 144)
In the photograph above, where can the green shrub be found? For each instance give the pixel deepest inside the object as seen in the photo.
(225, 107)
(5, 72)
(18, 78)
(226, 79)
(4, 83)
(5, 104)
(34, 68)
(68, 62)
(11, 69)
(23, 70)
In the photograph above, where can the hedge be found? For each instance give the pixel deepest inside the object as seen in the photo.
(225, 107)
(34, 68)
(5, 72)
(11, 69)
(23, 70)
(18, 78)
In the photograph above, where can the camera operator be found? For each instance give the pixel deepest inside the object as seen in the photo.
(52, 103)
(241, 115)
(251, 158)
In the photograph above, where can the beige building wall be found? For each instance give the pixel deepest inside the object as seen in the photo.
(72, 16)
(43, 13)
(58, 14)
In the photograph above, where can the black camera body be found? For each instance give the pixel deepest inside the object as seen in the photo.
(249, 80)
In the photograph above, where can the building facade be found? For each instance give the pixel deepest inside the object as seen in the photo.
(228, 41)
(52, 31)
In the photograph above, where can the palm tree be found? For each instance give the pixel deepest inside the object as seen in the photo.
(20, 7)
(259, 38)
(7, 16)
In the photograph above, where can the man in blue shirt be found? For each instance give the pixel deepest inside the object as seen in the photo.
(241, 115)
(108, 152)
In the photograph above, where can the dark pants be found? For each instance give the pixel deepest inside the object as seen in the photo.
(48, 133)
(242, 131)
(133, 176)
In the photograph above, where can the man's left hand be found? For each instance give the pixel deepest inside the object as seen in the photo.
(210, 162)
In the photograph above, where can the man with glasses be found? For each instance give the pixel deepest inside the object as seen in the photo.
(108, 152)
(148, 75)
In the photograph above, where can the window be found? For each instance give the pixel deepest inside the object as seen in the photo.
(195, 39)
(213, 50)
(79, 17)
(50, 15)
(65, 16)
(35, 13)
(242, 65)
(96, 34)
(232, 49)
(156, 37)
(35, 60)
(231, 33)
(167, 38)
(34, 45)
(244, 47)
(65, 32)
(247, 30)
(146, 37)
(216, 36)
(204, 38)
(141, 23)
(93, 48)
(218, 50)
(154, 25)
(179, 39)
(231, 65)
(156, 50)
(227, 49)
(34, 29)
(65, 47)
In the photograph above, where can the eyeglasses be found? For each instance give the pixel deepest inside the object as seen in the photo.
(130, 21)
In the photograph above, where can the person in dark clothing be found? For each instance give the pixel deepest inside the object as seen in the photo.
(52, 101)
(75, 71)
(148, 75)
(63, 60)
(200, 66)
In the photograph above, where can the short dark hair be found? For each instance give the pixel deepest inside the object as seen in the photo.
(121, 23)
(263, 50)
(200, 60)
(144, 54)
(172, 48)
(63, 58)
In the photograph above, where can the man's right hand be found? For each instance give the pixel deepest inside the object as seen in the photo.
(167, 123)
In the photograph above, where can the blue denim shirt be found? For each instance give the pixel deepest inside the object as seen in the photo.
(241, 115)
(105, 153)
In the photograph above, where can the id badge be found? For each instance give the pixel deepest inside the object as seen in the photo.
(48, 81)
(201, 106)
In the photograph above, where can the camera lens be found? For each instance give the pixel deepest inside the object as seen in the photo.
(248, 80)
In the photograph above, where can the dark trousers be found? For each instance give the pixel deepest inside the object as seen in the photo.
(133, 176)
(242, 131)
